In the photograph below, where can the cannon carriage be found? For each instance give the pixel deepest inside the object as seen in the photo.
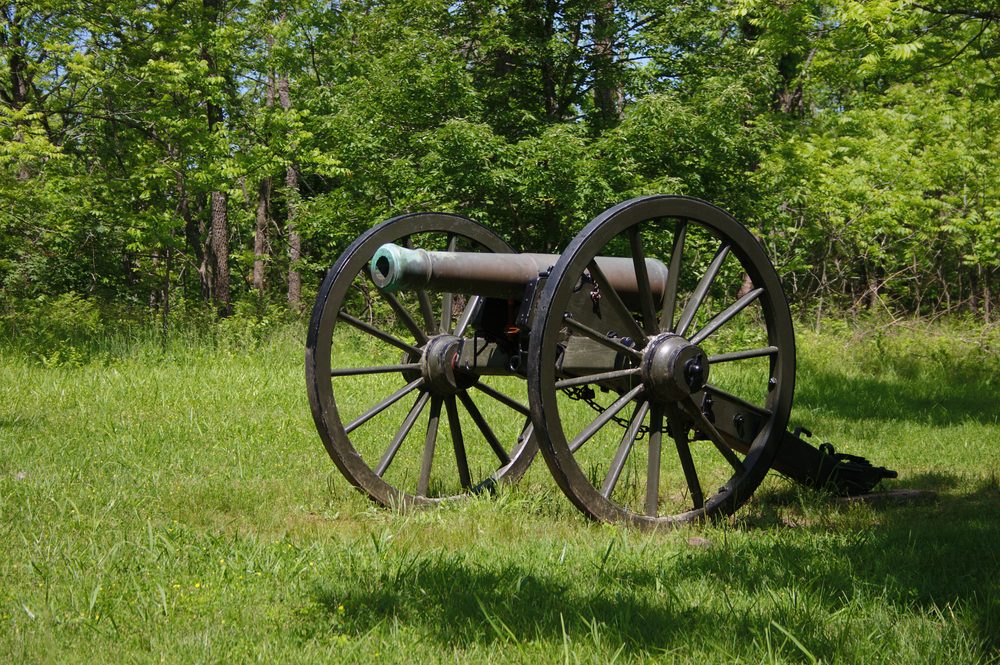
(652, 363)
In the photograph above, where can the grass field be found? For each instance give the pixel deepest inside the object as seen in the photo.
(177, 505)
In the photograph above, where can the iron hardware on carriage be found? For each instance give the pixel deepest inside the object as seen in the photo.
(657, 353)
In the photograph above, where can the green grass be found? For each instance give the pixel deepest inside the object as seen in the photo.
(178, 506)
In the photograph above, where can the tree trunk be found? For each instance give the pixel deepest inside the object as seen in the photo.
(746, 286)
(219, 227)
(292, 201)
(260, 249)
(294, 241)
(548, 67)
(987, 302)
(19, 78)
(219, 245)
(165, 311)
(193, 229)
(872, 294)
(789, 99)
(609, 97)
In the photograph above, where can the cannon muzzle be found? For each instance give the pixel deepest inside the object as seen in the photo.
(394, 268)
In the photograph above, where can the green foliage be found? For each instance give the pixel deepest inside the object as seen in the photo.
(249, 328)
(904, 185)
(857, 138)
(57, 330)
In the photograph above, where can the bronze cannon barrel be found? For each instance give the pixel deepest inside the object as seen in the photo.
(394, 268)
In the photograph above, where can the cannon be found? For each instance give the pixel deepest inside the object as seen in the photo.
(652, 362)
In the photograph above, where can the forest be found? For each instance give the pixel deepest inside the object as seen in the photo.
(163, 160)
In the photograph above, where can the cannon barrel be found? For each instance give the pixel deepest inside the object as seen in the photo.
(394, 268)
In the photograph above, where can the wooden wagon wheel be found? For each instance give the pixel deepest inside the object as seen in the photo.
(371, 382)
(709, 360)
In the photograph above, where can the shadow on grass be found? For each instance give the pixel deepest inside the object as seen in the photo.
(926, 397)
(934, 554)
(919, 559)
(934, 481)
(22, 423)
(456, 602)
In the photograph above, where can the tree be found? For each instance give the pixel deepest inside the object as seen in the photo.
(148, 151)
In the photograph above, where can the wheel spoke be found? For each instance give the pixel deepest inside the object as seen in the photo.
(425, 302)
(503, 399)
(425, 464)
(526, 432)
(599, 338)
(723, 317)
(713, 435)
(461, 460)
(679, 430)
(375, 332)
(653, 462)
(384, 404)
(446, 304)
(673, 276)
(700, 291)
(590, 430)
(596, 378)
(646, 304)
(742, 355)
(624, 448)
(426, 310)
(484, 428)
(404, 316)
(381, 369)
(448, 298)
(466, 317)
(611, 296)
(404, 429)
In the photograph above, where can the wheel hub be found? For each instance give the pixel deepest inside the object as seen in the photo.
(672, 368)
(437, 365)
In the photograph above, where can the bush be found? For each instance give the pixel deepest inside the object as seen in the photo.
(57, 330)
